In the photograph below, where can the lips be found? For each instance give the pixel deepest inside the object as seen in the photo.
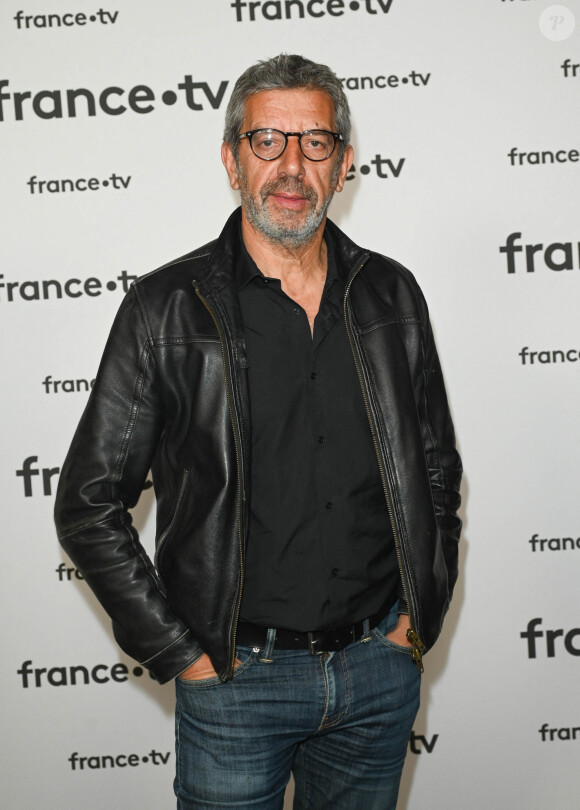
(288, 194)
(292, 201)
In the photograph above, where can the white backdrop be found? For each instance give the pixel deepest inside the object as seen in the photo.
(441, 94)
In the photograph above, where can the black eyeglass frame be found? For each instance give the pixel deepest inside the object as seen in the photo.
(250, 134)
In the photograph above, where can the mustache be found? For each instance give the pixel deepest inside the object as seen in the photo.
(291, 185)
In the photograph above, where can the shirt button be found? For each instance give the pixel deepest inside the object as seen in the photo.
(330, 505)
(321, 440)
(334, 572)
(296, 311)
(313, 375)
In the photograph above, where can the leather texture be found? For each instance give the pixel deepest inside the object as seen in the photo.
(171, 396)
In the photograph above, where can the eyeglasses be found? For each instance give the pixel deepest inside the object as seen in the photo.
(269, 144)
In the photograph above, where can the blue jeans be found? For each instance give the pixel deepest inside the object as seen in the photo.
(340, 722)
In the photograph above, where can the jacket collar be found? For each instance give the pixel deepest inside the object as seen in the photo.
(220, 269)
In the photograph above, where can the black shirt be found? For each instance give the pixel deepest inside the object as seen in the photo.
(320, 549)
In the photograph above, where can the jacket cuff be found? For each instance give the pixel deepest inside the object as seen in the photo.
(175, 659)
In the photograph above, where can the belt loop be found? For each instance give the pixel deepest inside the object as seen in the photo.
(366, 631)
(270, 640)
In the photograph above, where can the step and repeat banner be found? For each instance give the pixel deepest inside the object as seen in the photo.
(466, 169)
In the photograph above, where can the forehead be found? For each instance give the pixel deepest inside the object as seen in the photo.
(289, 110)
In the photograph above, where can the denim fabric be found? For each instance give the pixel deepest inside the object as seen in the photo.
(340, 722)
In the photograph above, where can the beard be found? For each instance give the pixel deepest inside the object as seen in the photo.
(285, 227)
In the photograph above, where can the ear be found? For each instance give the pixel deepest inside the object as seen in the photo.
(347, 159)
(229, 162)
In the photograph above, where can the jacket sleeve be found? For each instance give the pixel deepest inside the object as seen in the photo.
(443, 461)
(102, 478)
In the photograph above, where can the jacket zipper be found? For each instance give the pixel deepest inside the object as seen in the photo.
(412, 635)
(237, 443)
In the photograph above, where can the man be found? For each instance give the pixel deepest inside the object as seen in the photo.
(284, 388)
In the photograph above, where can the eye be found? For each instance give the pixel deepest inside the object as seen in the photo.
(317, 142)
(267, 139)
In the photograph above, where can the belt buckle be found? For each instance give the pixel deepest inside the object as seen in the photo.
(312, 642)
(348, 636)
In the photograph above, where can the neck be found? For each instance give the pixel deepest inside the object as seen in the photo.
(297, 267)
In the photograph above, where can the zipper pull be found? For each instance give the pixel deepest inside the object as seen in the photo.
(418, 648)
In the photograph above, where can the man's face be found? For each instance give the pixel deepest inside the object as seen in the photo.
(286, 199)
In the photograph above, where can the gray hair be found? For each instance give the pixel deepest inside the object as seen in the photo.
(285, 72)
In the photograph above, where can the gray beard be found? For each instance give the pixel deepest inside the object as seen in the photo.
(285, 232)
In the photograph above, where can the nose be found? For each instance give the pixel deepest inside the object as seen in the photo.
(292, 162)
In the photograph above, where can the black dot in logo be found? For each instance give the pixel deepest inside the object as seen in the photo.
(354, 5)
(92, 18)
(405, 80)
(169, 97)
(144, 759)
(105, 183)
(137, 671)
(365, 169)
(111, 285)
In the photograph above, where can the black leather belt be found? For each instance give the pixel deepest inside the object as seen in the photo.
(318, 641)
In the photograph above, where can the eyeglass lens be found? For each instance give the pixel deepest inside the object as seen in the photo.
(268, 144)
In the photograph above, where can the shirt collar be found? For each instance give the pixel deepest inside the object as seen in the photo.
(247, 269)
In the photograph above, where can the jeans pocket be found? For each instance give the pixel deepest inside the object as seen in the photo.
(406, 649)
(247, 658)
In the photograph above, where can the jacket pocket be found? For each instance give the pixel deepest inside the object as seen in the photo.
(169, 531)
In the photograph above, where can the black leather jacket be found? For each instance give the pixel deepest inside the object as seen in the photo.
(171, 396)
